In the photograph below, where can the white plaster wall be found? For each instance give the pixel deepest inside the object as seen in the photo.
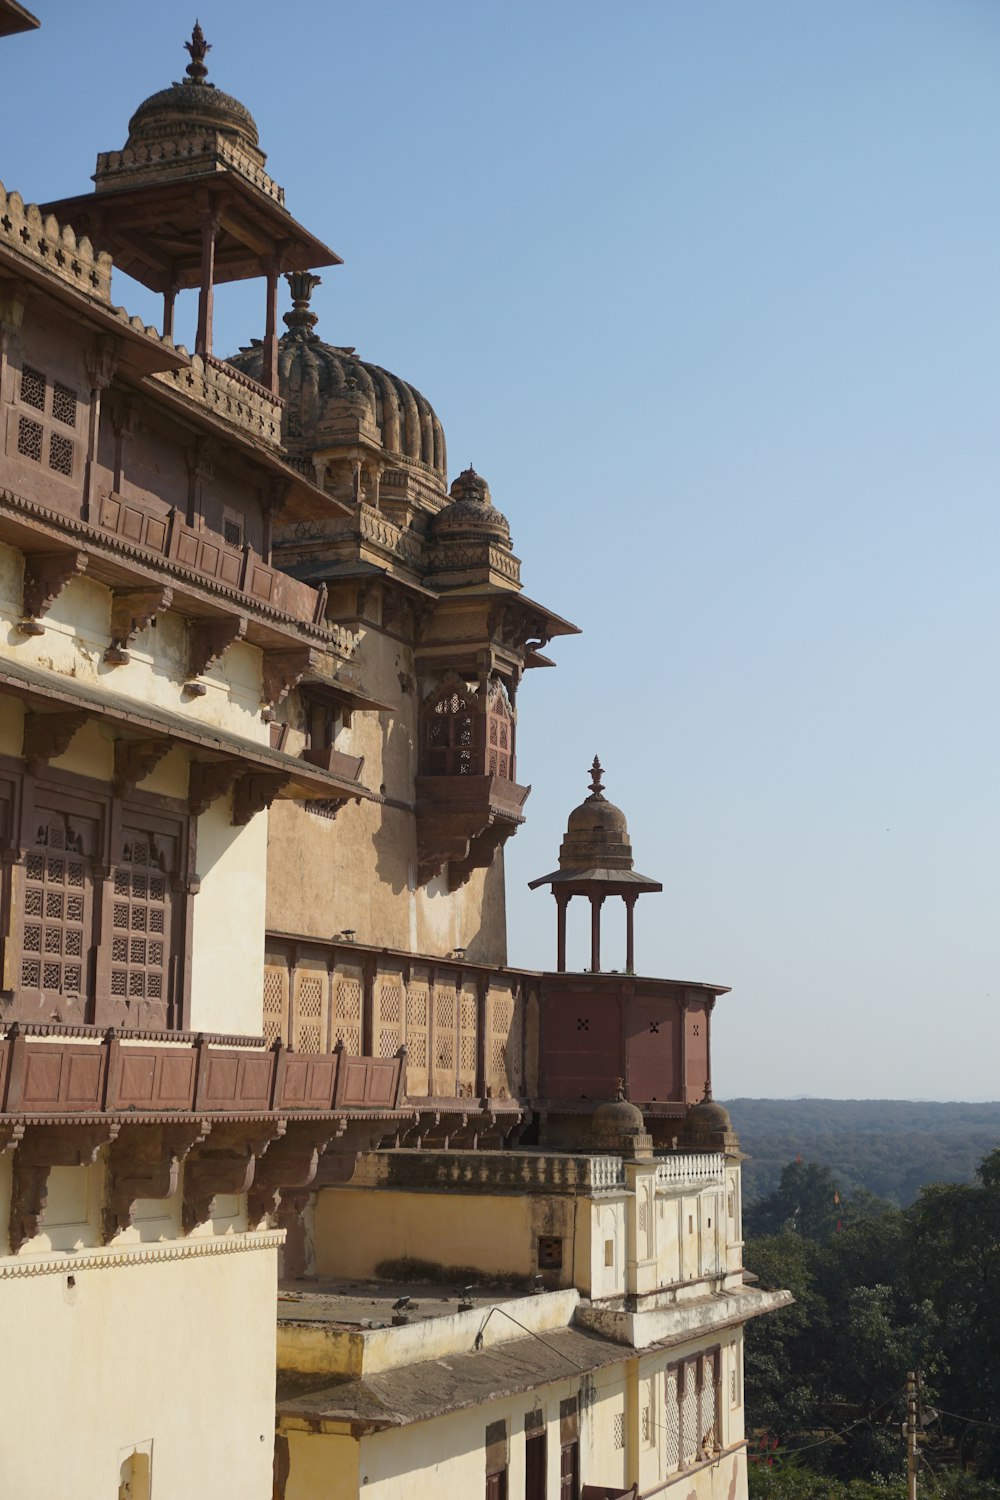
(176, 1353)
(227, 964)
(77, 633)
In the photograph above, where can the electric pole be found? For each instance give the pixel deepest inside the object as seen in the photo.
(912, 1383)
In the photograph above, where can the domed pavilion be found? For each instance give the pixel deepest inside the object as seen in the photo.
(595, 861)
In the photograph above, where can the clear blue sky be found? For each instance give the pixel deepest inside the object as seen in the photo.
(709, 292)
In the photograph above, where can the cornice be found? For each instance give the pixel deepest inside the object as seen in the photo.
(72, 1261)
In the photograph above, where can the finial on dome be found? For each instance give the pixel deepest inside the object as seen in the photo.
(301, 284)
(198, 48)
(596, 773)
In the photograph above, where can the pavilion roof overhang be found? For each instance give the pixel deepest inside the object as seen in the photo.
(153, 229)
(613, 882)
(14, 17)
(295, 779)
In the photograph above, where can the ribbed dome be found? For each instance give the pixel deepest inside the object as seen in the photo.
(192, 105)
(323, 383)
(596, 832)
(707, 1126)
(470, 514)
(618, 1126)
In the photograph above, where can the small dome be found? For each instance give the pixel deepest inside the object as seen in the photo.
(192, 105)
(707, 1126)
(596, 832)
(470, 514)
(322, 384)
(618, 1126)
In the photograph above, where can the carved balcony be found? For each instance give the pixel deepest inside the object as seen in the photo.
(462, 821)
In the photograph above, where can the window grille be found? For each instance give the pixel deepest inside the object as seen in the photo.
(390, 1016)
(671, 1421)
(449, 734)
(55, 911)
(60, 454)
(275, 1003)
(232, 529)
(347, 1015)
(32, 388)
(64, 404)
(29, 439)
(309, 1013)
(689, 1416)
(468, 1028)
(140, 921)
(619, 1429)
(416, 1039)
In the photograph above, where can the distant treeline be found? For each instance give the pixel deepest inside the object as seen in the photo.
(891, 1147)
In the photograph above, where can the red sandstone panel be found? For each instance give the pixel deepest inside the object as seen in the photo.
(653, 1038)
(135, 1083)
(255, 1081)
(42, 1071)
(82, 1079)
(175, 1080)
(581, 1046)
(696, 1070)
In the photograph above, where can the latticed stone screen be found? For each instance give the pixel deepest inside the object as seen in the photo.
(689, 1414)
(671, 1421)
(618, 1429)
(39, 438)
(468, 1006)
(140, 920)
(275, 1003)
(417, 1003)
(708, 1402)
(389, 1015)
(55, 911)
(309, 1033)
(347, 1013)
(504, 1055)
(444, 1039)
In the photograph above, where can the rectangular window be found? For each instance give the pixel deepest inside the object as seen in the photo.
(496, 1461)
(37, 439)
(550, 1253)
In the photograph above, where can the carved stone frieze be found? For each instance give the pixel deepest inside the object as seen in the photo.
(42, 1148)
(225, 1163)
(131, 611)
(48, 735)
(134, 760)
(46, 574)
(145, 1162)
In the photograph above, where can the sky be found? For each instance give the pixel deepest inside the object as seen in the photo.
(709, 294)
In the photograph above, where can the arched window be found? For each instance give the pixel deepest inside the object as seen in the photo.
(450, 733)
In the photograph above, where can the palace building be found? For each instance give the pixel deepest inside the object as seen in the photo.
(305, 1190)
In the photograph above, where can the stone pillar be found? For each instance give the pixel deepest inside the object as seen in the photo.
(209, 230)
(630, 934)
(562, 901)
(269, 377)
(596, 902)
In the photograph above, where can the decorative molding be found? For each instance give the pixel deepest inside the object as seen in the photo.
(135, 760)
(46, 574)
(143, 1255)
(47, 736)
(131, 611)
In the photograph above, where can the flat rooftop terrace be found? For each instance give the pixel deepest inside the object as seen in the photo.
(360, 1305)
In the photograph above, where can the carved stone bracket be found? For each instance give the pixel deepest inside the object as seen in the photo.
(282, 671)
(101, 361)
(208, 780)
(46, 574)
(290, 1163)
(145, 1162)
(48, 735)
(45, 1147)
(339, 1160)
(131, 611)
(11, 1133)
(225, 1164)
(208, 640)
(255, 792)
(134, 760)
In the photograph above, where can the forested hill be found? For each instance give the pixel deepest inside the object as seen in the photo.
(892, 1147)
